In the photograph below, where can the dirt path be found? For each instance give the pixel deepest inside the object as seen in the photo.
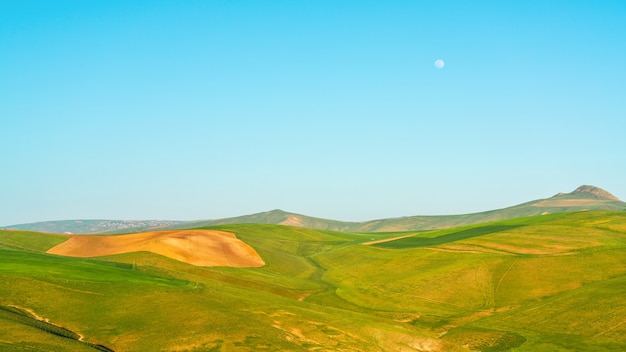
(508, 270)
(388, 239)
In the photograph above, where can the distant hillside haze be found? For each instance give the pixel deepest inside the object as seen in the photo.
(583, 198)
(93, 226)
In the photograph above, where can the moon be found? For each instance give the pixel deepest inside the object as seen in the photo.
(439, 63)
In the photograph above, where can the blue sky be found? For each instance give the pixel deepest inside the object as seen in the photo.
(207, 109)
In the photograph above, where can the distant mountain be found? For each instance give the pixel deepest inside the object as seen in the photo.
(583, 198)
(94, 226)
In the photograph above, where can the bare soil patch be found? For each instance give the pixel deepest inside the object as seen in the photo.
(195, 247)
(387, 239)
(569, 202)
(292, 220)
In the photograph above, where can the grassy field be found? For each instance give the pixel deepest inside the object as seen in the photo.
(554, 282)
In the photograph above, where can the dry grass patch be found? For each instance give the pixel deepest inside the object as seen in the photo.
(195, 247)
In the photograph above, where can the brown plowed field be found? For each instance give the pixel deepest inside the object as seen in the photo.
(196, 247)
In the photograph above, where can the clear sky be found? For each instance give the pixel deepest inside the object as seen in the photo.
(206, 109)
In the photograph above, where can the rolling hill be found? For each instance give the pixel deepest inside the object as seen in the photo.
(554, 282)
(583, 198)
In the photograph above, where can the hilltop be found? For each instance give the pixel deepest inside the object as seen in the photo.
(597, 192)
(585, 197)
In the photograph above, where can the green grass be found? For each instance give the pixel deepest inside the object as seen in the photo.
(553, 282)
(29, 241)
(415, 241)
(138, 306)
(590, 317)
(54, 268)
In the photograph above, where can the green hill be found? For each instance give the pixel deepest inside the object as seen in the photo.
(554, 282)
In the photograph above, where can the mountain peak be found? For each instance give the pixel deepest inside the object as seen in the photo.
(595, 191)
(277, 212)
